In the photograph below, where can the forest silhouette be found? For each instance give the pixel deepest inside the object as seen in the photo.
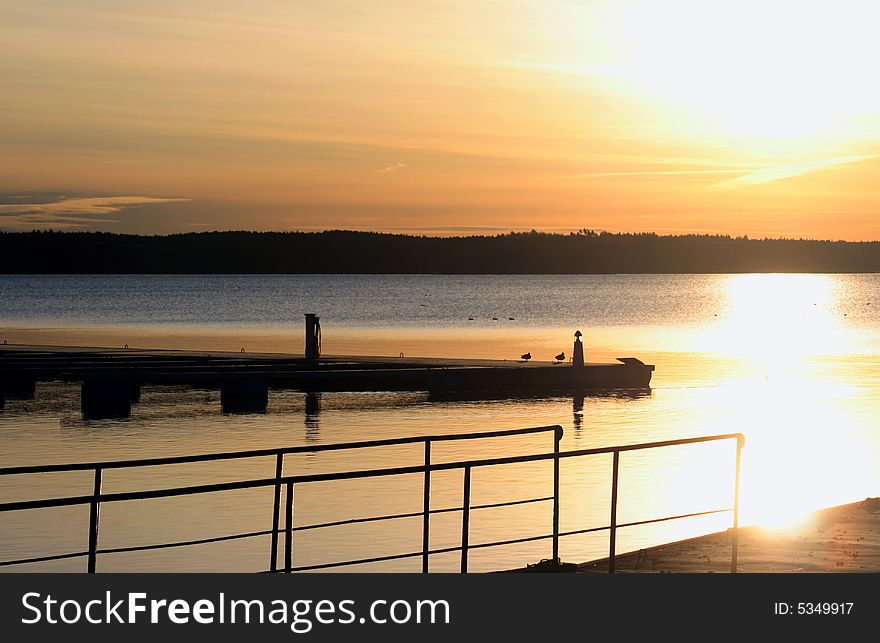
(340, 251)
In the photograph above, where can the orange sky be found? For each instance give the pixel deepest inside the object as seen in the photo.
(450, 117)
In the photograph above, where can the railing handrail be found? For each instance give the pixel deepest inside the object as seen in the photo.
(258, 453)
(98, 497)
(348, 475)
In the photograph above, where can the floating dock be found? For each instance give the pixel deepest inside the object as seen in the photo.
(111, 378)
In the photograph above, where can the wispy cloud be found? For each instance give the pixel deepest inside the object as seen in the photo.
(747, 175)
(72, 212)
(96, 205)
(770, 174)
(657, 173)
(391, 168)
(572, 68)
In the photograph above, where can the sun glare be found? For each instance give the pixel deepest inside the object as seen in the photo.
(778, 317)
(784, 325)
(753, 68)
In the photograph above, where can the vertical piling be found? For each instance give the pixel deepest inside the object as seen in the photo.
(21, 388)
(244, 396)
(106, 399)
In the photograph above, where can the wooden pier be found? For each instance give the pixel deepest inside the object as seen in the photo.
(111, 378)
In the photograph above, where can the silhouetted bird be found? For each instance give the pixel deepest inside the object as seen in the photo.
(494, 319)
(510, 318)
(526, 357)
(470, 319)
(560, 357)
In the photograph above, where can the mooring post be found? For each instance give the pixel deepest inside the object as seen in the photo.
(288, 530)
(734, 542)
(313, 337)
(426, 516)
(465, 519)
(276, 511)
(94, 514)
(613, 529)
(577, 354)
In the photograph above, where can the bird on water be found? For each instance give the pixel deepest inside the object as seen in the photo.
(560, 358)
(526, 357)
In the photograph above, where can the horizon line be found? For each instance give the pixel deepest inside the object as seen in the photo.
(466, 233)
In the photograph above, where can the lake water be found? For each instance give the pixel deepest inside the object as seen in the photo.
(792, 361)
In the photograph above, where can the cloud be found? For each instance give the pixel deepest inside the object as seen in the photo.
(391, 168)
(573, 68)
(72, 212)
(770, 174)
(748, 176)
(657, 173)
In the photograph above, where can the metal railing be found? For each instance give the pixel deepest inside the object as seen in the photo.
(97, 498)
(98, 468)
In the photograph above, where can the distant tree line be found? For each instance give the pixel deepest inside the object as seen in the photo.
(340, 251)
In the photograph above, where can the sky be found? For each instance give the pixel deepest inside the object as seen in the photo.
(757, 117)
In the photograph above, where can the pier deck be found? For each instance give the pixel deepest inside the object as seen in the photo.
(115, 375)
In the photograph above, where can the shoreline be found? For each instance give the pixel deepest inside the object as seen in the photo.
(841, 539)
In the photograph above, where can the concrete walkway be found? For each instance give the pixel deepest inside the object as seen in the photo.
(839, 539)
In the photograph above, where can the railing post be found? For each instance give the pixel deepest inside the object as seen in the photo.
(94, 515)
(557, 437)
(276, 512)
(734, 544)
(465, 518)
(288, 529)
(612, 546)
(426, 517)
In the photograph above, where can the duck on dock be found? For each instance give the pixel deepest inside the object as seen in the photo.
(560, 358)
(526, 357)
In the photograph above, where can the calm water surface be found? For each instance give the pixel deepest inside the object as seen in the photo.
(792, 361)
